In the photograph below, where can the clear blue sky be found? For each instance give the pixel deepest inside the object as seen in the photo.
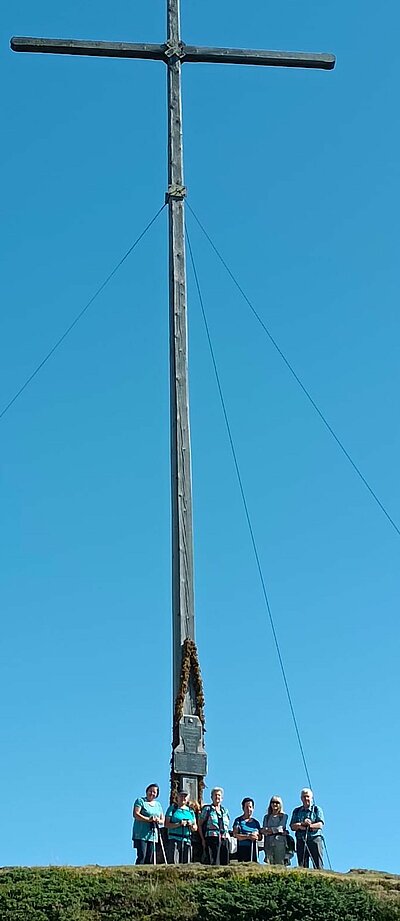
(295, 175)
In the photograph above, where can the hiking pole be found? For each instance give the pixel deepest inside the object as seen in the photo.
(308, 849)
(154, 843)
(251, 849)
(327, 853)
(312, 858)
(186, 851)
(305, 846)
(162, 845)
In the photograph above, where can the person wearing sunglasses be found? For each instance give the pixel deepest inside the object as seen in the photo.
(274, 831)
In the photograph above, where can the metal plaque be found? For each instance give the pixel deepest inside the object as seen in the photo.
(189, 755)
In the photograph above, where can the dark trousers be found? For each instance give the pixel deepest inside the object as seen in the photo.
(310, 849)
(197, 847)
(144, 851)
(247, 850)
(179, 851)
(217, 851)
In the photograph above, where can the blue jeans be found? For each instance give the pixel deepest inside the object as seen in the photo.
(144, 851)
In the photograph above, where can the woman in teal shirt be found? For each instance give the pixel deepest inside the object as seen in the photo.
(180, 821)
(147, 816)
(246, 829)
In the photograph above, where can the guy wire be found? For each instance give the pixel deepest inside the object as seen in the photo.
(296, 376)
(80, 314)
(246, 509)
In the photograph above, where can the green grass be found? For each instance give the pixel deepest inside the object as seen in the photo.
(241, 893)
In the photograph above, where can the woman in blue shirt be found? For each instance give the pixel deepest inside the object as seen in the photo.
(147, 816)
(246, 830)
(180, 821)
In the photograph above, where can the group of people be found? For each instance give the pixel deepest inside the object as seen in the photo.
(189, 832)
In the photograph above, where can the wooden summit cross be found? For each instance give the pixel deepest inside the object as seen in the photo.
(189, 765)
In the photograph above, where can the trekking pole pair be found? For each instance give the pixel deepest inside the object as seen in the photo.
(156, 829)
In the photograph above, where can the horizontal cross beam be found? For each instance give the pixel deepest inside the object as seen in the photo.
(186, 53)
(95, 49)
(266, 58)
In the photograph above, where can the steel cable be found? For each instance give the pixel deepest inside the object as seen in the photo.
(296, 377)
(80, 314)
(246, 508)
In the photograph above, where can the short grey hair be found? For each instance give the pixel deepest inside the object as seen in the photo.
(217, 790)
(307, 790)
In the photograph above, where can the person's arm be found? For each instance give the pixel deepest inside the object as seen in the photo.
(226, 819)
(158, 817)
(253, 835)
(236, 831)
(203, 818)
(280, 829)
(190, 821)
(266, 830)
(168, 820)
(318, 822)
(294, 824)
(138, 814)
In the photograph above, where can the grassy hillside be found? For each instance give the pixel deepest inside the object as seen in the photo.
(240, 893)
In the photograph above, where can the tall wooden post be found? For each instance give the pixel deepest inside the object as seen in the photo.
(188, 756)
(181, 476)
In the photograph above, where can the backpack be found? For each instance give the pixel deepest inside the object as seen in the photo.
(220, 820)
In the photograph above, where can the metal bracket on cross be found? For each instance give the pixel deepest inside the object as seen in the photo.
(175, 193)
(174, 49)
